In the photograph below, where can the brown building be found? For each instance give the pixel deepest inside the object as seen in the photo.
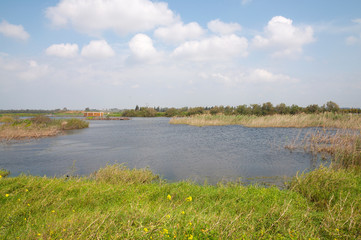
(93, 114)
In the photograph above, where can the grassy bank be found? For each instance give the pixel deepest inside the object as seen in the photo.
(117, 203)
(328, 120)
(37, 127)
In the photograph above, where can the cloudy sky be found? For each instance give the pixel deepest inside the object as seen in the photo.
(175, 53)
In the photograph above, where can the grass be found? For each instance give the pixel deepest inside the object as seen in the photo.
(324, 204)
(327, 120)
(37, 127)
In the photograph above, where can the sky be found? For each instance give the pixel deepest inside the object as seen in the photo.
(122, 53)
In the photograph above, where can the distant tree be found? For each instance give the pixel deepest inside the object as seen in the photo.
(228, 110)
(332, 107)
(137, 108)
(267, 109)
(313, 108)
(242, 110)
(215, 110)
(87, 109)
(294, 109)
(256, 109)
(171, 112)
(282, 109)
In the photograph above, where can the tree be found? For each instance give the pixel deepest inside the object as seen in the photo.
(281, 109)
(267, 109)
(137, 108)
(332, 107)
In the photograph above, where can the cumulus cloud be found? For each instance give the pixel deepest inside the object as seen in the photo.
(97, 49)
(257, 75)
(13, 31)
(121, 16)
(213, 48)
(179, 32)
(222, 28)
(142, 48)
(283, 37)
(63, 50)
(32, 71)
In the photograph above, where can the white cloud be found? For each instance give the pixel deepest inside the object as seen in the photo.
(63, 50)
(222, 28)
(142, 48)
(33, 71)
(244, 2)
(121, 16)
(179, 32)
(256, 76)
(97, 49)
(13, 31)
(213, 48)
(357, 20)
(283, 37)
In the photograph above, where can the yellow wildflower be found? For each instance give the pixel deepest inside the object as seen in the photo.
(26, 190)
(165, 231)
(6, 195)
(39, 234)
(169, 197)
(28, 204)
(190, 236)
(190, 224)
(183, 212)
(337, 230)
(53, 211)
(1, 176)
(168, 216)
(189, 199)
(145, 229)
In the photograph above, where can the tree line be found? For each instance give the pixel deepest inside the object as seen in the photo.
(252, 109)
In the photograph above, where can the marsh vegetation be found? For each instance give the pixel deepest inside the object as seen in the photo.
(37, 127)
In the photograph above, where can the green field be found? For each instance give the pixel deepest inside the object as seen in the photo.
(117, 203)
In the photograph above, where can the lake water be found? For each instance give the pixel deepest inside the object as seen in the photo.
(175, 152)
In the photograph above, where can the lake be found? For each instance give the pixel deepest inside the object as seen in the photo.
(175, 152)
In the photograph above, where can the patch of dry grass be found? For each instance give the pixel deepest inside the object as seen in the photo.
(327, 120)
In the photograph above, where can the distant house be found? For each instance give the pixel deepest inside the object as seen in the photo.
(94, 114)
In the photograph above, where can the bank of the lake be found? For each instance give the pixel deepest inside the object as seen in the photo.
(117, 203)
(37, 127)
(327, 120)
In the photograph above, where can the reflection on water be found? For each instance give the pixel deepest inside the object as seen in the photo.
(175, 152)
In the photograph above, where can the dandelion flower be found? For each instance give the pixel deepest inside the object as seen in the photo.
(145, 229)
(189, 199)
(53, 211)
(26, 190)
(169, 197)
(28, 204)
(183, 212)
(1, 176)
(165, 231)
(190, 236)
(6, 195)
(39, 234)
(168, 216)
(190, 224)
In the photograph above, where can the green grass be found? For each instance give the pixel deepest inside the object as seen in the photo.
(118, 203)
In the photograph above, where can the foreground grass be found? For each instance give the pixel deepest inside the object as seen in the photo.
(328, 120)
(117, 203)
(36, 127)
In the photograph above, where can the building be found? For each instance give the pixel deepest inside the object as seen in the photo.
(94, 114)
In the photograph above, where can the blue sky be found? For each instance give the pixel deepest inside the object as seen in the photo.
(121, 53)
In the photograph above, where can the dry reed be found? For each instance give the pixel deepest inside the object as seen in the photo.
(327, 120)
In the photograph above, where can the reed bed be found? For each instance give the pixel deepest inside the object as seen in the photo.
(37, 127)
(327, 120)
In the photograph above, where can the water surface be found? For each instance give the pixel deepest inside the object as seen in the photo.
(175, 152)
